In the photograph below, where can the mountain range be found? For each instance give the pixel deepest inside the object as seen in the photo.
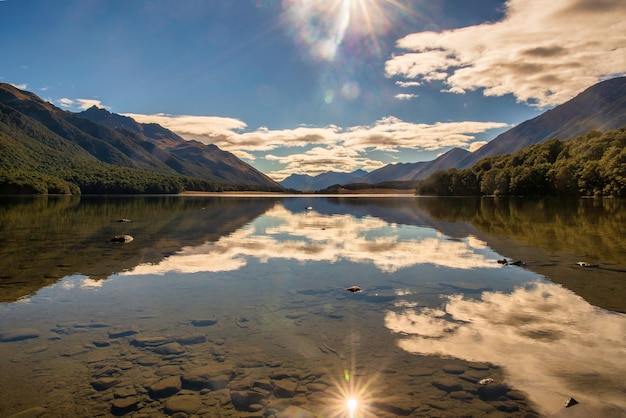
(39, 137)
(92, 150)
(600, 107)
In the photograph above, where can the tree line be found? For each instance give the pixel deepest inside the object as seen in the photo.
(589, 165)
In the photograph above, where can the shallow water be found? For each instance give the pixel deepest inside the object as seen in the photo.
(237, 306)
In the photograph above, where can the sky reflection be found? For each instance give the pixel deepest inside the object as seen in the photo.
(310, 236)
(552, 343)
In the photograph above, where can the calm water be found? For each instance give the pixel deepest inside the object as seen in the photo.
(237, 306)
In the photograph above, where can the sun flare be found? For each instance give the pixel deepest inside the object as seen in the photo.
(324, 25)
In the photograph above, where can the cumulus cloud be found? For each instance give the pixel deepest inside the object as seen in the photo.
(551, 343)
(543, 53)
(334, 148)
(320, 160)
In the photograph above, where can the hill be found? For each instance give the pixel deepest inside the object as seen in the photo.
(48, 150)
(590, 165)
(304, 182)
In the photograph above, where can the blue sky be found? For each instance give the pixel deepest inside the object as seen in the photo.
(313, 86)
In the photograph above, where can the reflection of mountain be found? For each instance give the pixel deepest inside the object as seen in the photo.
(47, 238)
(551, 343)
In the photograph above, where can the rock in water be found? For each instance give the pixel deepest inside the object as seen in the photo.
(125, 239)
(354, 289)
(18, 334)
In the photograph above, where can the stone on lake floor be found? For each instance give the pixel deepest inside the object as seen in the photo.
(188, 404)
(124, 239)
(243, 399)
(104, 383)
(191, 339)
(213, 376)
(124, 405)
(447, 384)
(169, 348)
(124, 332)
(150, 341)
(203, 322)
(18, 334)
(125, 392)
(101, 343)
(166, 387)
(453, 369)
(34, 412)
(284, 388)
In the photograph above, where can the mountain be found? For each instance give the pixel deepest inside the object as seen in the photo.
(415, 171)
(600, 107)
(304, 182)
(37, 137)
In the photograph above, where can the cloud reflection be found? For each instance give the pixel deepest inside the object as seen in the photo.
(310, 236)
(551, 342)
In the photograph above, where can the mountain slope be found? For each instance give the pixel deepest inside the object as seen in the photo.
(111, 139)
(601, 107)
(191, 158)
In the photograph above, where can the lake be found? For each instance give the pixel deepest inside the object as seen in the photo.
(235, 305)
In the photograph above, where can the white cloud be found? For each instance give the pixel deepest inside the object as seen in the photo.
(82, 104)
(551, 343)
(85, 104)
(543, 53)
(405, 96)
(475, 146)
(20, 86)
(65, 102)
(408, 83)
(335, 148)
(320, 160)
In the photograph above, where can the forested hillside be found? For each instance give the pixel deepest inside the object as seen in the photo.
(590, 165)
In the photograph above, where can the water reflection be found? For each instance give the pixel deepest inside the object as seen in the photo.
(314, 237)
(259, 286)
(551, 342)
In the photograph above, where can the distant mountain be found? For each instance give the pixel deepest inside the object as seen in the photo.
(600, 107)
(304, 182)
(38, 138)
(415, 171)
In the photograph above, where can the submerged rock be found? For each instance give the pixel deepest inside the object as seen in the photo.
(18, 334)
(122, 238)
(354, 289)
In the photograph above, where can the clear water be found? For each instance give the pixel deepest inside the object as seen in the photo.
(250, 294)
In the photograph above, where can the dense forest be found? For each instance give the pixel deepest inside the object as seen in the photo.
(590, 165)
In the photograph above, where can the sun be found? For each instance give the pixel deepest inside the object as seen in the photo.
(323, 26)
